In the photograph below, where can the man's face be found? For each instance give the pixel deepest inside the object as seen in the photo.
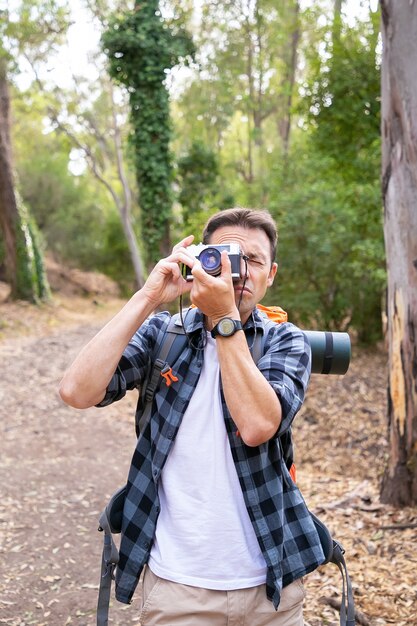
(255, 244)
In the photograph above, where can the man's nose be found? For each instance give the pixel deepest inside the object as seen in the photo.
(244, 267)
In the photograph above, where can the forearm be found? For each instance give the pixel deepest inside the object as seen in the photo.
(253, 404)
(84, 383)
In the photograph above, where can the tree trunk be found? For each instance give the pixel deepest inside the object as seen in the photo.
(133, 249)
(289, 82)
(8, 206)
(24, 266)
(125, 208)
(399, 182)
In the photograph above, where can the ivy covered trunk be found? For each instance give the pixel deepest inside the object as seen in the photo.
(23, 258)
(151, 134)
(141, 49)
(399, 178)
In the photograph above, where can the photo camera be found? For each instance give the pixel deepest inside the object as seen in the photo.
(210, 259)
(330, 351)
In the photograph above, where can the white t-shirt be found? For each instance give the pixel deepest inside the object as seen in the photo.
(204, 537)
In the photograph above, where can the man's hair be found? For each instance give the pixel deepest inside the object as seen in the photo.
(246, 218)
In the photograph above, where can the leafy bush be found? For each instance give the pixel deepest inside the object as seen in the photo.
(330, 249)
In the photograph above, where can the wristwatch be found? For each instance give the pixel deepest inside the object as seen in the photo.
(226, 327)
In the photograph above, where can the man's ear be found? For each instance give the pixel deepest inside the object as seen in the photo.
(272, 273)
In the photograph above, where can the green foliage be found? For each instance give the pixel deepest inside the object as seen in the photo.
(198, 183)
(78, 221)
(342, 98)
(29, 28)
(31, 280)
(141, 49)
(80, 225)
(240, 100)
(32, 28)
(334, 217)
(229, 115)
(326, 193)
(331, 253)
(197, 174)
(114, 257)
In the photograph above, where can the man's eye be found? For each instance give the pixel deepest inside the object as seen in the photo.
(256, 262)
(253, 261)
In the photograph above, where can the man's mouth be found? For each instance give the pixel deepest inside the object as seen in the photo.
(241, 288)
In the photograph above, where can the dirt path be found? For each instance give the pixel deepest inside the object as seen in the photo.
(58, 466)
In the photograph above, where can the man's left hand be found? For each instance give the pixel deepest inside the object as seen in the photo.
(214, 295)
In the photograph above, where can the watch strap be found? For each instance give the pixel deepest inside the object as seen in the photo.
(237, 325)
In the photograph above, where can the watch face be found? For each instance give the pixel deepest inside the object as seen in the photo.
(226, 326)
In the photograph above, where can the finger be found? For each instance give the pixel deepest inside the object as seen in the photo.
(226, 265)
(181, 256)
(170, 267)
(186, 286)
(183, 243)
(199, 273)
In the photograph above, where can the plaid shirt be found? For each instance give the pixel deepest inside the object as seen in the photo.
(280, 518)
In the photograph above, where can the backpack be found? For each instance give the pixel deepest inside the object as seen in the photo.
(110, 521)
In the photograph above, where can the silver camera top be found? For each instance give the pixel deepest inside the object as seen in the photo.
(197, 249)
(209, 256)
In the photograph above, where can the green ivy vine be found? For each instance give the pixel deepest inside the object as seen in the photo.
(31, 279)
(141, 48)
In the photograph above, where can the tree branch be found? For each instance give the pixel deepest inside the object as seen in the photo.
(360, 618)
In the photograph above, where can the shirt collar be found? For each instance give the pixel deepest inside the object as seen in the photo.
(257, 320)
(193, 320)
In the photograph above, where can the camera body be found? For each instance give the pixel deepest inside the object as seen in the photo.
(210, 259)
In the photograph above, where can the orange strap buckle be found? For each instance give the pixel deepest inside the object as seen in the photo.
(169, 376)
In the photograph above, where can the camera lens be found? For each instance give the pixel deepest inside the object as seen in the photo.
(211, 261)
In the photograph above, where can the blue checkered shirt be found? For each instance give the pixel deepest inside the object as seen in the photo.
(280, 518)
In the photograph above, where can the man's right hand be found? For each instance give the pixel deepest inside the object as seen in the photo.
(84, 383)
(166, 283)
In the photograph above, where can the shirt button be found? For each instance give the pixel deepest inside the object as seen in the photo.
(170, 434)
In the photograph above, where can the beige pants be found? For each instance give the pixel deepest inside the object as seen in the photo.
(165, 603)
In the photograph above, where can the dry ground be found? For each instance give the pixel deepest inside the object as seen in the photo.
(59, 465)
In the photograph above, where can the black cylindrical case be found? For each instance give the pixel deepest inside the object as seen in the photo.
(330, 351)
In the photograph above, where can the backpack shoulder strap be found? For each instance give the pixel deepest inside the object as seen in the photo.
(166, 352)
(258, 346)
(110, 522)
(334, 553)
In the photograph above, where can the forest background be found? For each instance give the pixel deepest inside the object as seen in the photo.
(132, 122)
(271, 105)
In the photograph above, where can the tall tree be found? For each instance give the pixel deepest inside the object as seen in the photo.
(31, 29)
(94, 128)
(243, 95)
(399, 183)
(142, 49)
(113, 145)
(9, 214)
(289, 76)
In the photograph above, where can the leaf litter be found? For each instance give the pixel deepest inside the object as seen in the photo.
(58, 466)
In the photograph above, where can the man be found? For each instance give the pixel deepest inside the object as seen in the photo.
(211, 507)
